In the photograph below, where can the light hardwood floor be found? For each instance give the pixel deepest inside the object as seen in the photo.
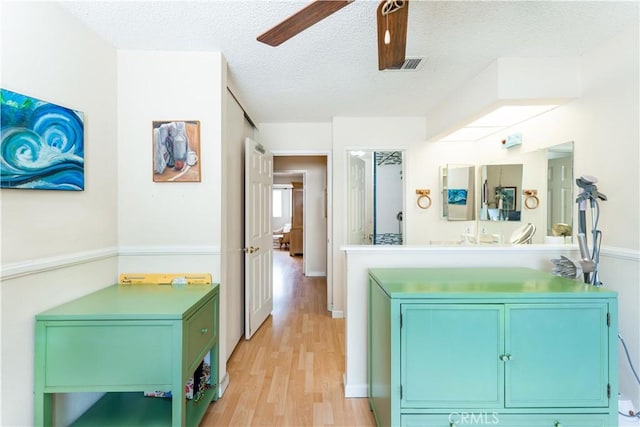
(290, 372)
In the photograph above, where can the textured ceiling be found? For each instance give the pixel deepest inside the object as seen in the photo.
(331, 68)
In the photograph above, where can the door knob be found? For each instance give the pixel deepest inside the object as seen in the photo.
(250, 249)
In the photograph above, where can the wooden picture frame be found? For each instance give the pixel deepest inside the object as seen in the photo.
(176, 151)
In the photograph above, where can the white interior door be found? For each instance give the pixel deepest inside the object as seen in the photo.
(560, 191)
(357, 209)
(258, 248)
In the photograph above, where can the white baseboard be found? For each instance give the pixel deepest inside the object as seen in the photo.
(224, 383)
(316, 274)
(337, 314)
(355, 390)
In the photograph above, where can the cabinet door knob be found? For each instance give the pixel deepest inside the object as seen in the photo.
(505, 357)
(557, 424)
(204, 330)
(452, 424)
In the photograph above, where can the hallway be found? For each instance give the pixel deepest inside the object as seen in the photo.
(290, 372)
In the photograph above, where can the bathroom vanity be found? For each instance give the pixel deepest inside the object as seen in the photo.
(126, 340)
(490, 346)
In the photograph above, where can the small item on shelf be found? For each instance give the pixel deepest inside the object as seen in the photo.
(195, 387)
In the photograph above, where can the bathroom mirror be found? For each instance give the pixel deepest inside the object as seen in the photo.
(375, 197)
(457, 184)
(560, 184)
(501, 192)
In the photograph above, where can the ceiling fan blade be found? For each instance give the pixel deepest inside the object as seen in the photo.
(392, 55)
(311, 14)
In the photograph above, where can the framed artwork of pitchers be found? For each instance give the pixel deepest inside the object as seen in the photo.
(176, 151)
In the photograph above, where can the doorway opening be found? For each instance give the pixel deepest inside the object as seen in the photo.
(303, 183)
(376, 197)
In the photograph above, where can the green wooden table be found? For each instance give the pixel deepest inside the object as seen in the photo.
(125, 340)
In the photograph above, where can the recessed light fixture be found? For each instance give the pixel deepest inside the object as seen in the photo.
(497, 120)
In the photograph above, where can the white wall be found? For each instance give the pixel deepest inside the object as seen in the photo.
(163, 214)
(604, 123)
(609, 148)
(376, 133)
(506, 81)
(57, 245)
(171, 226)
(295, 138)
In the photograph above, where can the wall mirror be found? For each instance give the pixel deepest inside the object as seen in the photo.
(501, 192)
(560, 200)
(375, 197)
(457, 184)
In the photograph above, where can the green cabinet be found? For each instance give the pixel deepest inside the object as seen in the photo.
(511, 347)
(454, 365)
(558, 355)
(125, 340)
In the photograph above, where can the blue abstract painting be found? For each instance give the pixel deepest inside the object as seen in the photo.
(42, 144)
(457, 197)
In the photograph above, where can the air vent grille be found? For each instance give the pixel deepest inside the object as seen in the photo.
(409, 64)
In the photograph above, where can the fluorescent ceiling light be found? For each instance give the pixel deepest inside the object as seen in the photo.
(510, 115)
(497, 120)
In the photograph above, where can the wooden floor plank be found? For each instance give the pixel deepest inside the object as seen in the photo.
(290, 372)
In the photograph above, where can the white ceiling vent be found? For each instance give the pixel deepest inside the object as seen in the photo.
(409, 64)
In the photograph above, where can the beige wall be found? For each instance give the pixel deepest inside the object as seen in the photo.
(171, 226)
(237, 129)
(57, 245)
(168, 214)
(61, 245)
(83, 79)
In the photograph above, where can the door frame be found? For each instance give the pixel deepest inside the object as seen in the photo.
(367, 148)
(328, 210)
